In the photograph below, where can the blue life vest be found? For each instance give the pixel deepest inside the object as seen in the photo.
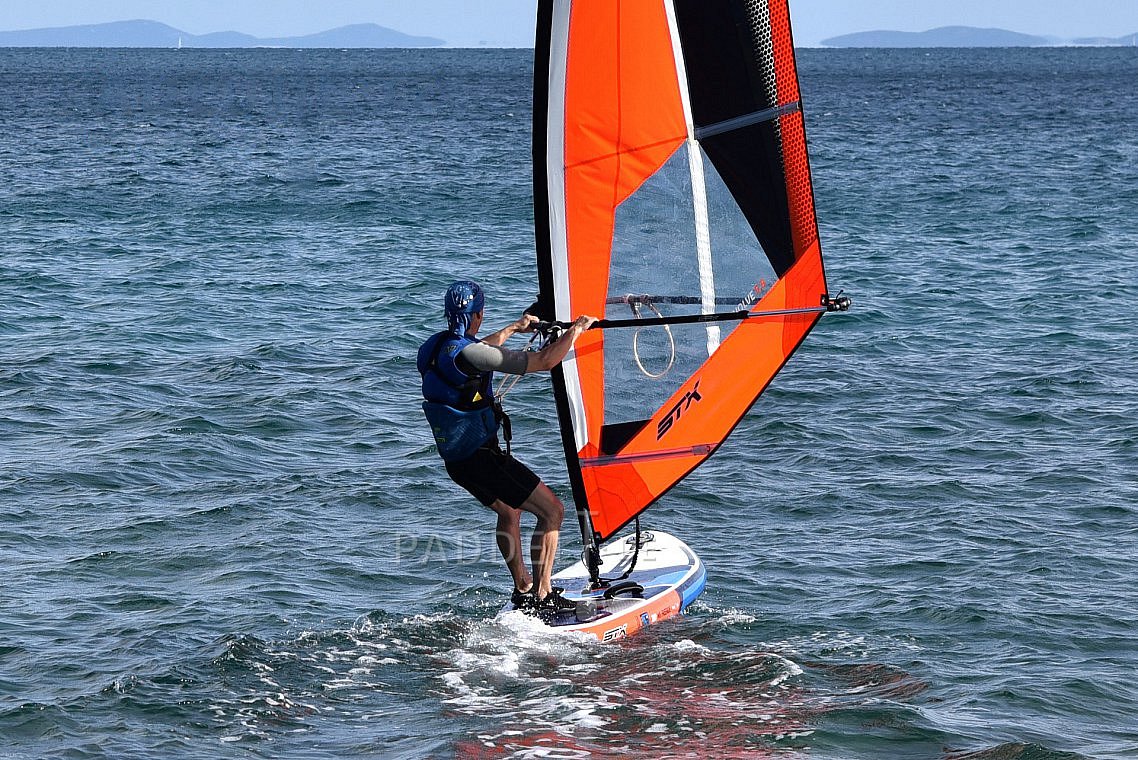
(459, 407)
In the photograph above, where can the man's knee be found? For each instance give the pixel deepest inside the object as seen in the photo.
(554, 515)
(546, 504)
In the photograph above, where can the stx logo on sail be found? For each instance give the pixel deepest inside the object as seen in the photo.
(677, 411)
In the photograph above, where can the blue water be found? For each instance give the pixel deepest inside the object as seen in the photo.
(224, 532)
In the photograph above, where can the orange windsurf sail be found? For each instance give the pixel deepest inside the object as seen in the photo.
(672, 197)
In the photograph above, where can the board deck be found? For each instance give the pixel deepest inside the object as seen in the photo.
(669, 572)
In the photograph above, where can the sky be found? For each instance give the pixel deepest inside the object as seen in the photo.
(509, 23)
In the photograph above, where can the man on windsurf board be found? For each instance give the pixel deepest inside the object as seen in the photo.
(457, 369)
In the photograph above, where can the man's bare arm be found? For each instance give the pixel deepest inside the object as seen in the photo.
(524, 324)
(553, 354)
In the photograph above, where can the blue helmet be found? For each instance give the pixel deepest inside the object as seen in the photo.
(463, 300)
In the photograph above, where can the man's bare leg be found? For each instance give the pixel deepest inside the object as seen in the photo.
(549, 511)
(509, 539)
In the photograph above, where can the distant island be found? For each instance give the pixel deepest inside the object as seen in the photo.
(153, 34)
(965, 36)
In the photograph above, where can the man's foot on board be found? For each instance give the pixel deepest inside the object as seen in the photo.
(527, 602)
(554, 602)
(524, 600)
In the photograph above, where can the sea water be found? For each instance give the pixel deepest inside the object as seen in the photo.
(224, 531)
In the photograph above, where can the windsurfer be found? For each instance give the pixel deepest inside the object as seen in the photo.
(457, 369)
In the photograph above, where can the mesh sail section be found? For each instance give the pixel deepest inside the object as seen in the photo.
(656, 272)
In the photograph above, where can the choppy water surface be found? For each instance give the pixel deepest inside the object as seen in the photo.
(224, 533)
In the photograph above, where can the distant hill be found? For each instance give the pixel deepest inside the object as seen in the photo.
(967, 36)
(945, 36)
(152, 34)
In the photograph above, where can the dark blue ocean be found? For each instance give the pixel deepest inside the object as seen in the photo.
(224, 531)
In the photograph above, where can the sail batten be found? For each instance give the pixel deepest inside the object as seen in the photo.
(701, 450)
(673, 160)
(730, 125)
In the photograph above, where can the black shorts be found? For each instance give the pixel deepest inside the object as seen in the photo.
(492, 474)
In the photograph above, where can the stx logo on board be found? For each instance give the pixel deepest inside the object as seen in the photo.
(616, 633)
(677, 411)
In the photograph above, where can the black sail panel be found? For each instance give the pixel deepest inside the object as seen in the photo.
(731, 75)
